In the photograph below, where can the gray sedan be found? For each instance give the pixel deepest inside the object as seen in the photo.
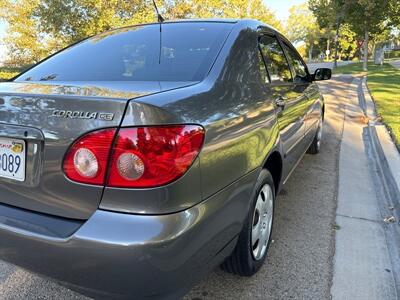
(135, 161)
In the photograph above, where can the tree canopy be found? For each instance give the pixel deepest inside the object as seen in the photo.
(302, 27)
(36, 28)
(365, 18)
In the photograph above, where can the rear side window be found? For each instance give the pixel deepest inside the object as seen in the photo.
(298, 67)
(277, 65)
(180, 52)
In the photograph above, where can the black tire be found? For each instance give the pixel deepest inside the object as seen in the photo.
(315, 146)
(242, 261)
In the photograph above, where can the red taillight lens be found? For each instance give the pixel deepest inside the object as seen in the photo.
(142, 157)
(87, 159)
(146, 157)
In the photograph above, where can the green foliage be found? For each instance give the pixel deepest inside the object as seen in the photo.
(392, 55)
(8, 73)
(39, 27)
(72, 20)
(368, 19)
(366, 15)
(302, 27)
(23, 39)
(354, 68)
(347, 42)
(384, 84)
(327, 12)
(394, 13)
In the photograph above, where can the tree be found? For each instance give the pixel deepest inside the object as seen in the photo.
(39, 27)
(23, 40)
(329, 14)
(234, 9)
(302, 27)
(347, 43)
(394, 13)
(72, 20)
(365, 18)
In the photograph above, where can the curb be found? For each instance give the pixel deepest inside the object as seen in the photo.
(387, 164)
(387, 150)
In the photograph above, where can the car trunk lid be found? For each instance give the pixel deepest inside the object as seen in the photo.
(48, 118)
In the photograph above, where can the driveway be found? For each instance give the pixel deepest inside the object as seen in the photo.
(299, 264)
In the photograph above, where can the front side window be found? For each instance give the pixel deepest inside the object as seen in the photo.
(179, 52)
(277, 65)
(298, 67)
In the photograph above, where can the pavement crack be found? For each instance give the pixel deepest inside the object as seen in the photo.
(360, 218)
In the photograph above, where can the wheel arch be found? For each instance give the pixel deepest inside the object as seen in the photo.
(274, 164)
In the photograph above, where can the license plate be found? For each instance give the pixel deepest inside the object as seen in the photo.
(12, 159)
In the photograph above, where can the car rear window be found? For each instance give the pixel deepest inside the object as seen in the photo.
(179, 52)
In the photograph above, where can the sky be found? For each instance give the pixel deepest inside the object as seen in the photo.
(280, 7)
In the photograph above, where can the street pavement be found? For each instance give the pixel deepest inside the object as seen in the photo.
(300, 260)
(313, 66)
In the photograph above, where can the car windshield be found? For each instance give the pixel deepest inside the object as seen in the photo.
(179, 52)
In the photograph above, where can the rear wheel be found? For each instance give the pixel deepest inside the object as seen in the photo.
(252, 247)
(315, 146)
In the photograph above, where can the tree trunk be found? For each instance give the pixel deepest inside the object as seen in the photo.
(336, 43)
(310, 52)
(366, 38)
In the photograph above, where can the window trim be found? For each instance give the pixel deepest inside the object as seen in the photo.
(265, 65)
(276, 36)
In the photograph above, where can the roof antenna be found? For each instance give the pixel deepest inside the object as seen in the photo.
(159, 16)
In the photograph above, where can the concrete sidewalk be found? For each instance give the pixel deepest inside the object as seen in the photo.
(364, 262)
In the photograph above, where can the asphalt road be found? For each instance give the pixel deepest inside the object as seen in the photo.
(299, 264)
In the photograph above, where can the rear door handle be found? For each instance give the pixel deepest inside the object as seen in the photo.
(280, 102)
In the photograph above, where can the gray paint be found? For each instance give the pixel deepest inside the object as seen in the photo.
(191, 224)
(114, 253)
(241, 121)
(29, 107)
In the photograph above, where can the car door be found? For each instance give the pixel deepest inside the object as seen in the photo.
(303, 87)
(289, 101)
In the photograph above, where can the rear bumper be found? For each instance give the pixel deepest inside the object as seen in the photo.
(142, 256)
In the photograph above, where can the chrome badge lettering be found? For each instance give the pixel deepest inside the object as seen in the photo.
(68, 114)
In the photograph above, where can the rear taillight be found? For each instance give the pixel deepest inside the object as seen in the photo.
(141, 157)
(87, 159)
(152, 156)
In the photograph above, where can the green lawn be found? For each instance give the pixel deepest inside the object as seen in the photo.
(384, 84)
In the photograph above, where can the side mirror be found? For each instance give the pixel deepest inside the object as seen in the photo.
(322, 74)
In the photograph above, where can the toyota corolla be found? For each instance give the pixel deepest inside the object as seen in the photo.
(136, 161)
